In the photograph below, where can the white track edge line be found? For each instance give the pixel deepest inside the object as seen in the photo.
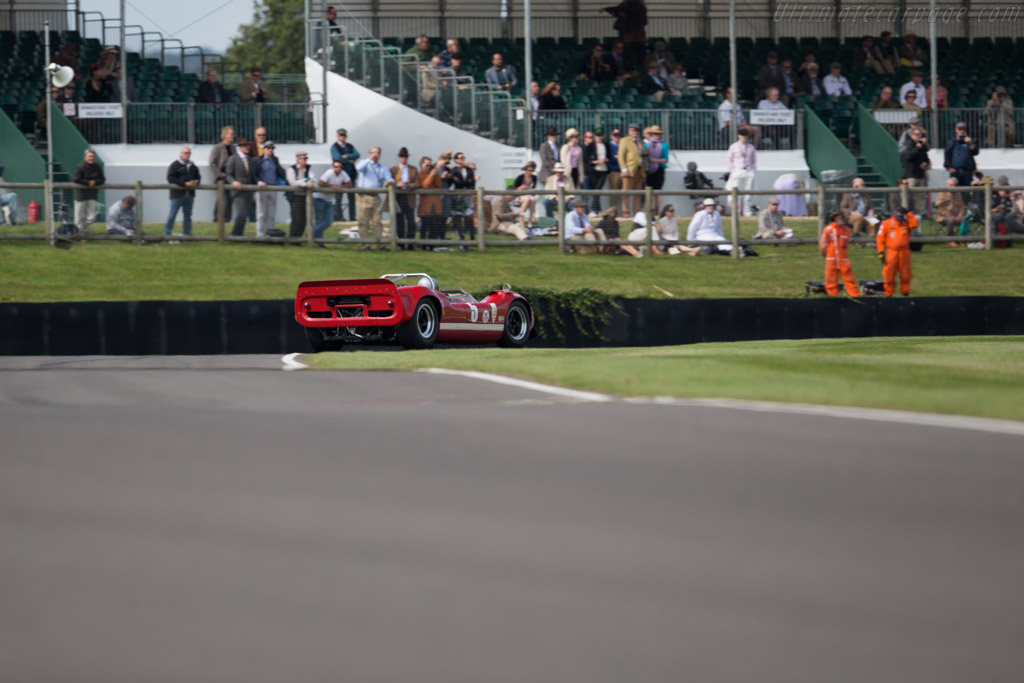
(588, 396)
(874, 414)
(291, 364)
(983, 424)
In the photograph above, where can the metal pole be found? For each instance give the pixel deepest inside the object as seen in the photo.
(326, 65)
(988, 214)
(480, 219)
(821, 209)
(648, 252)
(560, 217)
(124, 88)
(138, 212)
(309, 216)
(48, 198)
(734, 220)
(933, 50)
(732, 65)
(528, 74)
(221, 198)
(393, 211)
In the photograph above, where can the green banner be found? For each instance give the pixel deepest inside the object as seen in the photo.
(878, 147)
(822, 149)
(22, 164)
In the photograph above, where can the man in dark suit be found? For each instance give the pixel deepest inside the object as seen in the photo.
(241, 170)
(211, 91)
(652, 83)
(619, 67)
(770, 76)
(549, 152)
(406, 178)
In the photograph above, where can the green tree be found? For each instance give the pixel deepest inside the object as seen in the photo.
(274, 40)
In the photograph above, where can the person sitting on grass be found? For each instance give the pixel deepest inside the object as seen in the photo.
(578, 228)
(769, 223)
(668, 229)
(706, 226)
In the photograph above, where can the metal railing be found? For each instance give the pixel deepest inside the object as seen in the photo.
(181, 122)
(989, 127)
(697, 129)
(481, 242)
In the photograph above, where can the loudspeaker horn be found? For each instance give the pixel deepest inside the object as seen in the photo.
(61, 75)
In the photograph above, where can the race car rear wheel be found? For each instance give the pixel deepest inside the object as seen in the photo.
(420, 331)
(315, 337)
(517, 326)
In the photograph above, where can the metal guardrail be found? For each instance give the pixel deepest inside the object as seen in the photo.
(696, 129)
(189, 122)
(389, 194)
(990, 128)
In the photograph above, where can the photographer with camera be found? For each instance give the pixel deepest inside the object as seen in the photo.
(915, 168)
(960, 153)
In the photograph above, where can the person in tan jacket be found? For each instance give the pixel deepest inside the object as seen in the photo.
(407, 178)
(505, 219)
(632, 165)
(950, 210)
(431, 219)
(858, 210)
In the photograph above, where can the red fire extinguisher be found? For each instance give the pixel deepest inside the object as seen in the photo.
(33, 211)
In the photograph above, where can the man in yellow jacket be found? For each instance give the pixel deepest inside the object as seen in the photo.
(632, 164)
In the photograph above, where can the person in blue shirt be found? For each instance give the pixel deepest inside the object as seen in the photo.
(268, 174)
(373, 175)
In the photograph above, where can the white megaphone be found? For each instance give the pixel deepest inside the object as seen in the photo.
(60, 75)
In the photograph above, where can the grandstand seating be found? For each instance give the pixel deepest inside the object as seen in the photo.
(22, 87)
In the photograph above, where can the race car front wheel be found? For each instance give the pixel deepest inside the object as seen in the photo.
(420, 331)
(315, 337)
(517, 326)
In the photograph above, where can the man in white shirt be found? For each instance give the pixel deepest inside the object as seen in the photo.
(916, 83)
(742, 168)
(372, 175)
(706, 226)
(323, 203)
(836, 84)
(772, 101)
(579, 229)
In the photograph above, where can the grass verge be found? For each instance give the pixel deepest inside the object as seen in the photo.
(979, 376)
(115, 271)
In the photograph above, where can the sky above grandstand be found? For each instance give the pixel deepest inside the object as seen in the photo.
(210, 24)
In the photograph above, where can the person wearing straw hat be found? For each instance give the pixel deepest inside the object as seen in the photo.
(407, 178)
(706, 226)
(657, 162)
(633, 169)
(559, 179)
(571, 156)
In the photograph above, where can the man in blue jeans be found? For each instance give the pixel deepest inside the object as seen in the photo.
(323, 203)
(182, 172)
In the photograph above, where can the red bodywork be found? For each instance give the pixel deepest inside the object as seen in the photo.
(382, 303)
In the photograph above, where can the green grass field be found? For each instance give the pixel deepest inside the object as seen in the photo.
(112, 271)
(980, 376)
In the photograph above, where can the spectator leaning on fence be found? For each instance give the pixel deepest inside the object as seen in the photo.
(268, 174)
(631, 163)
(323, 203)
(298, 175)
(218, 163)
(121, 217)
(407, 178)
(429, 211)
(186, 174)
(950, 210)
(241, 171)
(89, 174)
(372, 175)
(343, 151)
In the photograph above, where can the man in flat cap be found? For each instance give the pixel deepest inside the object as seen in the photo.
(343, 151)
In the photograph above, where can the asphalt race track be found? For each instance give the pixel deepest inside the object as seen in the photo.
(216, 519)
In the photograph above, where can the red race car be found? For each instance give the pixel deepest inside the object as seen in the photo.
(334, 312)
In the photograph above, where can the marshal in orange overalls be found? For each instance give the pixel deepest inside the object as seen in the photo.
(834, 243)
(894, 242)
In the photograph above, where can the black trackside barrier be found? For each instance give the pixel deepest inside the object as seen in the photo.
(235, 327)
